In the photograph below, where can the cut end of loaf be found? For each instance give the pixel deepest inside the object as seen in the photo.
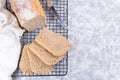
(35, 23)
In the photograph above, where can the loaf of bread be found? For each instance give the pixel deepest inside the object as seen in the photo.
(24, 65)
(56, 44)
(44, 55)
(29, 13)
(37, 65)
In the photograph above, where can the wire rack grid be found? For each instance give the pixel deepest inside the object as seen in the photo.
(61, 6)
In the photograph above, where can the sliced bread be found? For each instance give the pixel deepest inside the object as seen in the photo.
(37, 66)
(24, 61)
(56, 44)
(44, 55)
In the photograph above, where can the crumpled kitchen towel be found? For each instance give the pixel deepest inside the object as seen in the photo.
(10, 46)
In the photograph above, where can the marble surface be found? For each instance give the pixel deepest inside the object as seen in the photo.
(94, 30)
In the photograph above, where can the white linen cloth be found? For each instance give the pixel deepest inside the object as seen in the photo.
(10, 46)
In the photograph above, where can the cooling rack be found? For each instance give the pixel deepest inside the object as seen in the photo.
(61, 6)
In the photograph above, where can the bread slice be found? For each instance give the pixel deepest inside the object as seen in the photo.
(29, 13)
(53, 42)
(44, 55)
(37, 65)
(24, 65)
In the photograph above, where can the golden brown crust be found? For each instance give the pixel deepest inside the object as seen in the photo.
(38, 7)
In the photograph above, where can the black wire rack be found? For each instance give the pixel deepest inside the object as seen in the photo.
(61, 6)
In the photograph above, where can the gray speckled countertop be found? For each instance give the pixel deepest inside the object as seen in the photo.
(94, 30)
